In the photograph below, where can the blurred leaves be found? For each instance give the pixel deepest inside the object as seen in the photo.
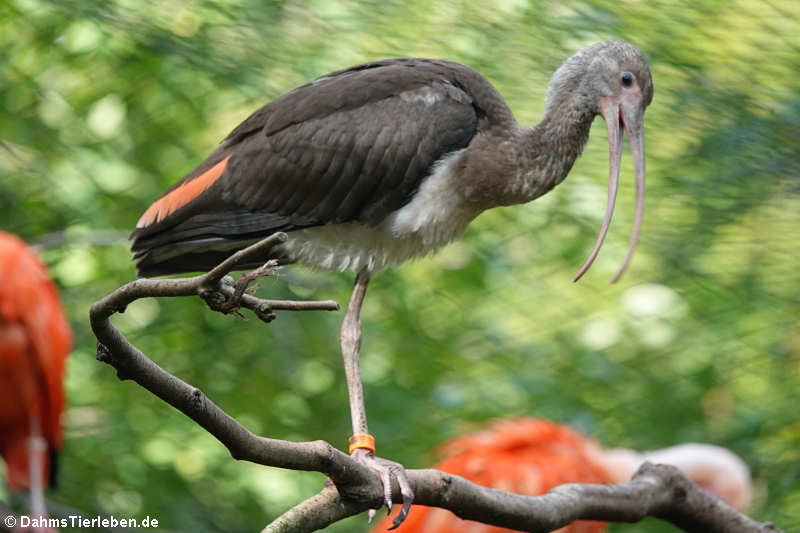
(106, 104)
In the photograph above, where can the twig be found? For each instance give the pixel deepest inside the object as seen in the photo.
(216, 273)
(203, 285)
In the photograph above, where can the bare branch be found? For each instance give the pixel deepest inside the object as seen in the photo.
(315, 513)
(660, 491)
(130, 363)
(216, 273)
(203, 285)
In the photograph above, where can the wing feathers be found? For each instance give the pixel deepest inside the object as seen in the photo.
(351, 146)
(181, 195)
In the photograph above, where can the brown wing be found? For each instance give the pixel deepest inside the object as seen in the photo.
(350, 146)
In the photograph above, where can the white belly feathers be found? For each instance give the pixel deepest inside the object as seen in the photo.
(436, 215)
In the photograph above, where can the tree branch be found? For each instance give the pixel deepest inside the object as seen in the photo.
(661, 491)
(209, 285)
(655, 490)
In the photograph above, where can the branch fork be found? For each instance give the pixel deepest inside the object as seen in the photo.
(656, 490)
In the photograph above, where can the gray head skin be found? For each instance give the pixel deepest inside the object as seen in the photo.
(611, 79)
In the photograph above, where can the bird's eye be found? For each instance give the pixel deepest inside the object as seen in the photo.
(627, 79)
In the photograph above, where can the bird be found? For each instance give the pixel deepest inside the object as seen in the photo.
(35, 339)
(367, 167)
(532, 455)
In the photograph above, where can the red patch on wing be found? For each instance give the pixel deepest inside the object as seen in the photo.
(181, 195)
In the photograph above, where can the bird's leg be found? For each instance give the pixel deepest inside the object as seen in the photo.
(37, 448)
(362, 447)
(350, 339)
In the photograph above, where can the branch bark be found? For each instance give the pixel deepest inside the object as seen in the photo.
(656, 490)
(660, 491)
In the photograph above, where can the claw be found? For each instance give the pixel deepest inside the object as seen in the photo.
(401, 516)
(408, 498)
(386, 479)
(385, 470)
(230, 304)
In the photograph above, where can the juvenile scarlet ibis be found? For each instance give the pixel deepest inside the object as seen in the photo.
(369, 166)
(34, 342)
(531, 456)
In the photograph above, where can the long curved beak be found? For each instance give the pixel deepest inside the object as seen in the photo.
(629, 114)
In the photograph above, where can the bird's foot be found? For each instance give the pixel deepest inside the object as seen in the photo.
(217, 301)
(386, 470)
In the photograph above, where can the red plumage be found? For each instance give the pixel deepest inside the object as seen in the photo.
(524, 456)
(531, 456)
(35, 339)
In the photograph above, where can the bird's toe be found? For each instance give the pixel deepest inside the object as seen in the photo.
(406, 493)
(386, 470)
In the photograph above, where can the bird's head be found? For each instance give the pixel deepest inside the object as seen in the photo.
(611, 79)
(715, 469)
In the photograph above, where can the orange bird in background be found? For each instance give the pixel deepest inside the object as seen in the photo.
(531, 456)
(35, 339)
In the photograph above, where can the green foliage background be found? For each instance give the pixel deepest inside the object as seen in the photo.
(104, 104)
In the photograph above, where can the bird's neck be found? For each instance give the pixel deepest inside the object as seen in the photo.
(619, 463)
(510, 164)
(550, 148)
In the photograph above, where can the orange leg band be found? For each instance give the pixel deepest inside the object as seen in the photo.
(362, 440)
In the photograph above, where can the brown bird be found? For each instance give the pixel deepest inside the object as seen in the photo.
(531, 456)
(34, 342)
(370, 166)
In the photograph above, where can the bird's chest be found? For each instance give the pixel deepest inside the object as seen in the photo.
(436, 215)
